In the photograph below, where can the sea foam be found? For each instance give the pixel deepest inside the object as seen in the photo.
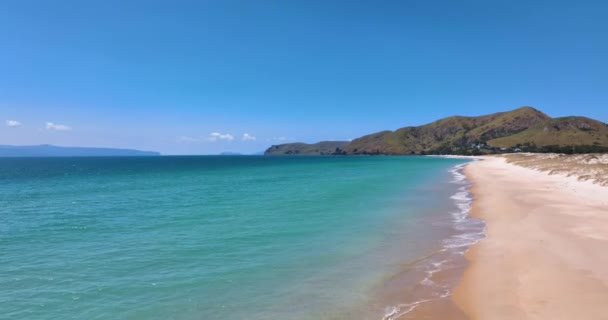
(469, 230)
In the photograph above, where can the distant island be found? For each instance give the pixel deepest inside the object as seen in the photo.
(525, 129)
(57, 151)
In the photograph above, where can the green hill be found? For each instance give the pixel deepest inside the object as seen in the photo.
(298, 148)
(562, 132)
(525, 129)
(449, 135)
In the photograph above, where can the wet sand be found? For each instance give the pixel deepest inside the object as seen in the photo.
(545, 255)
(422, 290)
(426, 303)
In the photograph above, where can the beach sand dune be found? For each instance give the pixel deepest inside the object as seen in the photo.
(546, 251)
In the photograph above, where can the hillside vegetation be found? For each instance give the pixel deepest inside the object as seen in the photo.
(522, 129)
(298, 148)
(567, 131)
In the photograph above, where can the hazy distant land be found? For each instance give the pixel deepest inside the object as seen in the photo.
(57, 151)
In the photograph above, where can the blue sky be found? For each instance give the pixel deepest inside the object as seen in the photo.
(193, 77)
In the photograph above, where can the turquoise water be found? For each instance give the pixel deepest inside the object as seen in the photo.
(216, 237)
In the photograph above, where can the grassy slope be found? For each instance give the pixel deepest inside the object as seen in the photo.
(566, 131)
(323, 147)
(450, 132)
(456, 134)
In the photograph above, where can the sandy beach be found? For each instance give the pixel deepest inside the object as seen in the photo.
(545, 255)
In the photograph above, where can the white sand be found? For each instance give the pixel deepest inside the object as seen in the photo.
(546, 251)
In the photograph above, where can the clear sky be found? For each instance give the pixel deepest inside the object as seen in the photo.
(200, 77)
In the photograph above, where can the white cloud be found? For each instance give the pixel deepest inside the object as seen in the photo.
(57, 127)
(214, 136)
(248, 137)
(13, 123)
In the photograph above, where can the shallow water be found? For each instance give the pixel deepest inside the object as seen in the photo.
(221, 237)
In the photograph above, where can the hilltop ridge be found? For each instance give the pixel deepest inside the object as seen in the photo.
(521, 129)
(299, 148)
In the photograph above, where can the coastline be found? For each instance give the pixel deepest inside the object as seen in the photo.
(545, 253)
(430, 298)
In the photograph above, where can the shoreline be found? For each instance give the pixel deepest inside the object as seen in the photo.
(545, 254)
(431, 297)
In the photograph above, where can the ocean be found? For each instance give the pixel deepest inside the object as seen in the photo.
(230, 237)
